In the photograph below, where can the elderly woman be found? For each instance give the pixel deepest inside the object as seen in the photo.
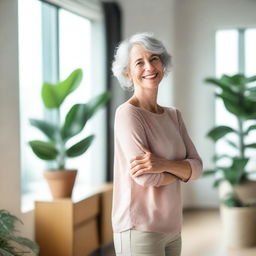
(153, 155)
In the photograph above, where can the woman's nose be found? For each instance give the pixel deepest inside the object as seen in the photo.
(149, 66)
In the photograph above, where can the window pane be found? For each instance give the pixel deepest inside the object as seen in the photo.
(226, 63)
(30, 79)
(75, 52)
(227, 57)
(250, 52)
(226, 52)
(40, 62)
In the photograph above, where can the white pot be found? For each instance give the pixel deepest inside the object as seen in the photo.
(246, 191)
(239, 226)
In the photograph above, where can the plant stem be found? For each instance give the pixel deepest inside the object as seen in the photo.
(61, 144)
(241, 137)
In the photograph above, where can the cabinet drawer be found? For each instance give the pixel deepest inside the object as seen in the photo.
(86, 238)
(86, 209)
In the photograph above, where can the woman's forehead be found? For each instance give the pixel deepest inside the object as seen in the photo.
(139, 51)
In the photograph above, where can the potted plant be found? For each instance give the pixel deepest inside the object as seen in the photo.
(237, 191)
(10, 243)
(58, 133)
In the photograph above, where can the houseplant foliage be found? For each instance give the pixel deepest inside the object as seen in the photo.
(10, 243)
(239, 98)
(58, 133)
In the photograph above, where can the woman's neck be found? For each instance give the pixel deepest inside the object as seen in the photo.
(148, 102)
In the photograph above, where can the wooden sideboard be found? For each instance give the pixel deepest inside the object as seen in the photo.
(75, 226)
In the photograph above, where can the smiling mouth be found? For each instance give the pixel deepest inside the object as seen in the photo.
(153, 76)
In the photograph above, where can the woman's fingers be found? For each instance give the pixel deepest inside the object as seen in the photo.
(138, 167)
(138, 157)
(140, 172)
(136, 162)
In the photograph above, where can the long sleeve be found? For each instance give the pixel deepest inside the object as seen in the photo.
(192, 157)
(129, 134)
(142, 203)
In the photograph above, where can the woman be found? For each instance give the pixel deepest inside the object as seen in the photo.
(153, 155)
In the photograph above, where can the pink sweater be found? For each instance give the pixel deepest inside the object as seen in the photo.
(142, 203)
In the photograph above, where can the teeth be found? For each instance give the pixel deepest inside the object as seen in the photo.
(151, 76)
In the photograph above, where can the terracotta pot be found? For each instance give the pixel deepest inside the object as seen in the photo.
(239, 226)
(61, 182)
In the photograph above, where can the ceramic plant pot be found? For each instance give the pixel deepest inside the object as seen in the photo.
(246, 191)
(61, 182)
(239, 226)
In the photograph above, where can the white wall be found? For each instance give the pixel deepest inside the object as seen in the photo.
(10, 195)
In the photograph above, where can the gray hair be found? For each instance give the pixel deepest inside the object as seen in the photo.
(121, 59)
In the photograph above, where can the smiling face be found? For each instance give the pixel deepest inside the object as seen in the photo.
(145, 68)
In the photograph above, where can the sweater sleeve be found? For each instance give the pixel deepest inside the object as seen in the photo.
(129, 134)
(192, 157)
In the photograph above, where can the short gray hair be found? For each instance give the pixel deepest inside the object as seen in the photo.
(121, 59)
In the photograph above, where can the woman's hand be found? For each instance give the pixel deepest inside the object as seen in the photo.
(146, 163)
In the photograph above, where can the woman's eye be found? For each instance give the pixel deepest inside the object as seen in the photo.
(139, 63)
(155, 58)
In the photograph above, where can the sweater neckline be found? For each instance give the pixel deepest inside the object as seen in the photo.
(145, 110)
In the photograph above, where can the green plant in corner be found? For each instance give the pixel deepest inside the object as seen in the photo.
(10, 243)
(239, 97)
(58, 133)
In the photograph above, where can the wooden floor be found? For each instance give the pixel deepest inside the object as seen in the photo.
(201, 236)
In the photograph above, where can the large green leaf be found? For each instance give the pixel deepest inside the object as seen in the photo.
(50, 96)
(218, 82)
(8, 222)
(80, 147)
(44, 150)
(26, 242)
(70, 84)
(231, 106)
(231, 200)
(54, 95)
(236, 80)
(209, 172)
(252, 145)
(220, 131)
(235, 172)
(4, 252)
(8, 239)
(47, 128)
(252, 95)
(251, 79)
(98, 101)
(75, 120)
(79, 114)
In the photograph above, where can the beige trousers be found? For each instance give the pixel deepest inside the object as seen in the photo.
(140, 243)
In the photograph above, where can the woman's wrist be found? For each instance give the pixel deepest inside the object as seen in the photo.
(181, 169)
(168, 179)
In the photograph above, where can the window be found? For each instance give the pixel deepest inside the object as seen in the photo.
(235, 52)
(52, 43)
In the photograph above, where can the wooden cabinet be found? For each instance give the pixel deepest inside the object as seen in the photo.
(77, 226)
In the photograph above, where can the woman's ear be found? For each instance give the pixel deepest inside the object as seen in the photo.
(128, 75)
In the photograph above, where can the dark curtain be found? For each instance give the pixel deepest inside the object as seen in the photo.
(113, 20)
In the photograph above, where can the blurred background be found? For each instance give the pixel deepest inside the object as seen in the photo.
(44, 41)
